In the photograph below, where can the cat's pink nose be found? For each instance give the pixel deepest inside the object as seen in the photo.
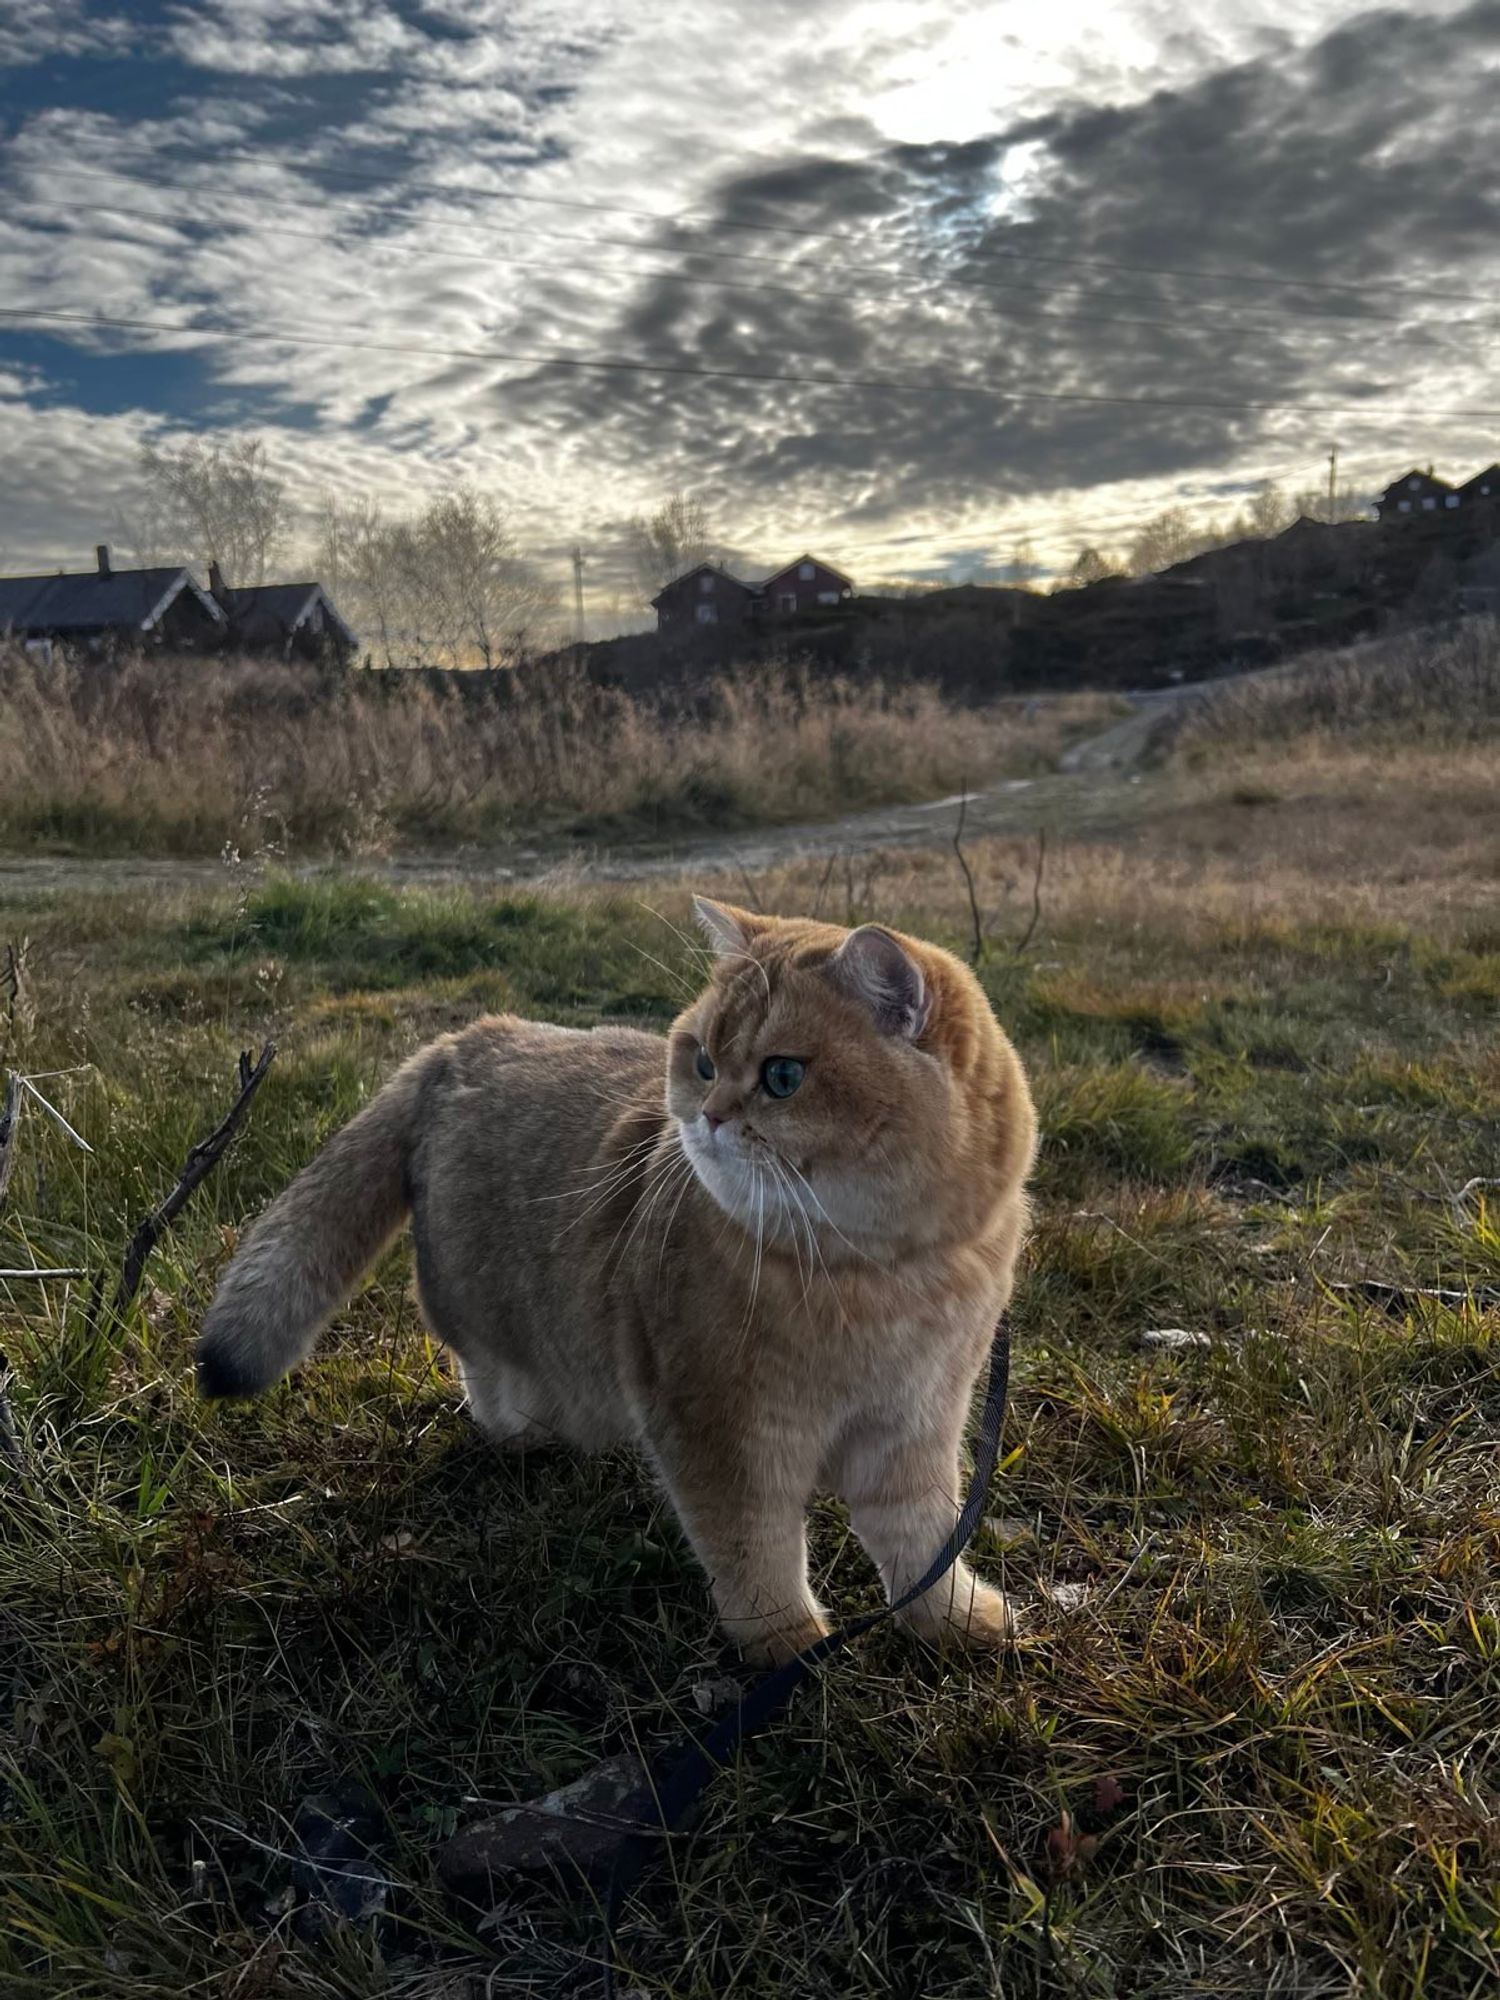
(714, 1121)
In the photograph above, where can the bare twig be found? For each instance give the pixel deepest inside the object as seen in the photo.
(10, 1444)
(56, 1116)
(751, 891)
(10, 1115)
(1401, 1298)
(817, 908)
(1036, 892)
(199, 1164)
(16, 986)
(36, 1271)
(976, 948)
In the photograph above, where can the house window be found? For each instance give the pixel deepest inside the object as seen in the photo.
(1484, 489)
(828, 597)
(1403, 506)
(1451, 501)
(1429, 505)
(806, 572)
(705, 584)
(708, 614)
(1414, 482)
(787, 600)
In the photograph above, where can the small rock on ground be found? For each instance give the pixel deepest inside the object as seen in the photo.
(579, 1827)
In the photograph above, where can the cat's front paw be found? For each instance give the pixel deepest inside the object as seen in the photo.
(983, 1620)
(964, 1612)
(773, 1645)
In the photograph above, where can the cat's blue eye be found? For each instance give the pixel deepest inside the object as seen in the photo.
(781, 1075)
(705, 1066)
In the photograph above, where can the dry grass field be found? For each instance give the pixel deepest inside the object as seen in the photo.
(1247, 1743)
(186, 756)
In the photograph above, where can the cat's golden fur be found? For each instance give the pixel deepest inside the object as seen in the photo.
(622, 1237)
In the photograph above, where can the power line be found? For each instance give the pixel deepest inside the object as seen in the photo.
(679, 219)
(608, 364)
(1231, 310)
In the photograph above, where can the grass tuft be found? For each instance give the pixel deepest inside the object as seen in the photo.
(1247, 1744)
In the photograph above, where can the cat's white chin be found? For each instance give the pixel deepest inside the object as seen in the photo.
(739, 1181)
(767, 1198)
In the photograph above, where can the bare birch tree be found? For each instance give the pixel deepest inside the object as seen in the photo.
(445, 587)
(673, 540)
(212, 501)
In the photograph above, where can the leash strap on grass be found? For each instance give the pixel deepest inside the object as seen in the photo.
(684, 1781)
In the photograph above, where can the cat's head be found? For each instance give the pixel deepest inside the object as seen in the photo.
(851, 1082)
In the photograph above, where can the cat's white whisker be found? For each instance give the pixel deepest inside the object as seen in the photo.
(660, 1173)
(638, 1162)
(589, 1182)
(696, 946)
(683, 985)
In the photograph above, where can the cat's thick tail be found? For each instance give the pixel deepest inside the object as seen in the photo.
(302, 1259)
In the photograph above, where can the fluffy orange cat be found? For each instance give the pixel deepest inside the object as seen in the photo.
(769, 1249)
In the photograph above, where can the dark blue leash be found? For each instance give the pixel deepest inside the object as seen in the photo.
(693, 1769)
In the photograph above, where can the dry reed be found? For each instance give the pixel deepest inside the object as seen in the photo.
(186, 755)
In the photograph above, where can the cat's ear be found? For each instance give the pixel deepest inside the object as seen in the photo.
(877, 970)
(727, 929)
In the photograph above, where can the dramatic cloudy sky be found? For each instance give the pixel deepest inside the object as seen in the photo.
(1073, 261)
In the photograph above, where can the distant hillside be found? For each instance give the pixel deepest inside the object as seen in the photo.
(1246, 605)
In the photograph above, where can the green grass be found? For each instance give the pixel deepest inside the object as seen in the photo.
(1261, 1663)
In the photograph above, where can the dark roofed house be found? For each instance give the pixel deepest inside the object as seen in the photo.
(1415, 493)
(706, 595)
(709, 595)
(804, 585)
(103, 606)
(284, 618)
(1483, 486)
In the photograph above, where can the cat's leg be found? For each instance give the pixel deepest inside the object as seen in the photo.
(746, 1520)
(903, 1483)
(498, 1396)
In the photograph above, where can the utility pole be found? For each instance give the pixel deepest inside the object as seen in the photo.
(578, 624)
(1333, 482)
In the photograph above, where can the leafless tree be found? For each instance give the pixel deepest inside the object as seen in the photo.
(676, 538)
(352, 560)
(213, 500)
(1091, 565)
(487, 600)
(1168, 537)
(444, 587)
(1265, 513)
(1024, 567)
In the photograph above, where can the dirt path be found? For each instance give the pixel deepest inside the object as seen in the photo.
(1095, 785)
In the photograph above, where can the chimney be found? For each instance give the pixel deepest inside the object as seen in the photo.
(101, 554)
(215, 578)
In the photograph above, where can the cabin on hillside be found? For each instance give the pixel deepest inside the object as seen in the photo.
(1415, 493)
(105, 610)
(709, 595)
(1483, 486)
(105, 607)
(288, 619)
(802, 586)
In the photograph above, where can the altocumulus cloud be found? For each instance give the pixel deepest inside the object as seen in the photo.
(999, 197)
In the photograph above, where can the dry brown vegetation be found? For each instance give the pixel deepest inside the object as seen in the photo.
(1413, 689)
(173, 755)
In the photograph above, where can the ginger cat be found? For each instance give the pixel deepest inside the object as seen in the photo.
(770, 1249)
